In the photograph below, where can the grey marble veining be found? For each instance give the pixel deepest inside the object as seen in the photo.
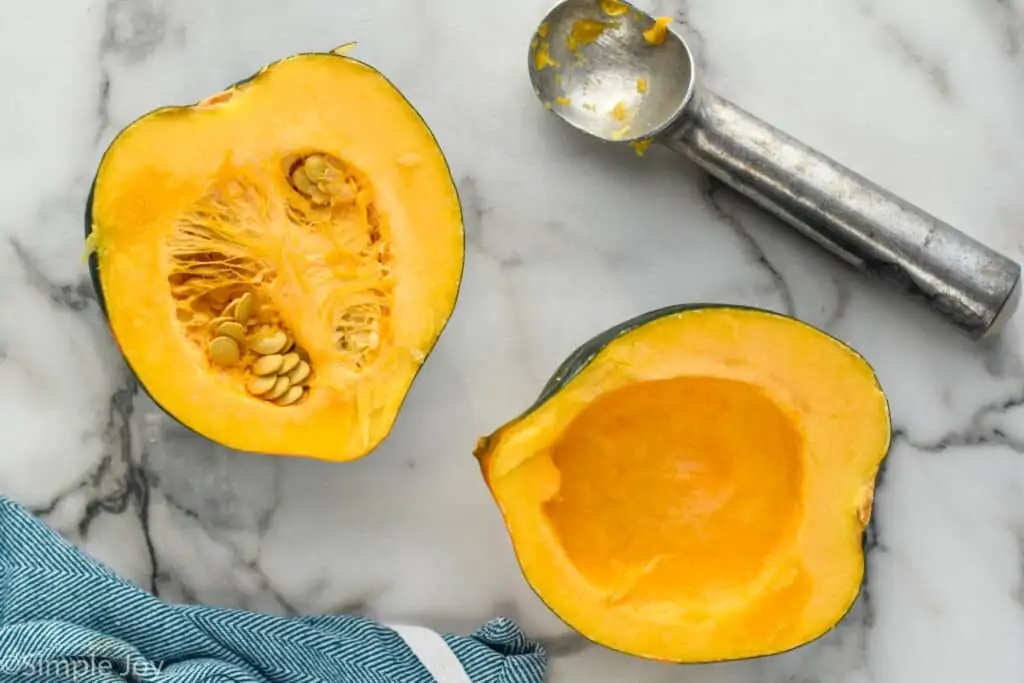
(564, 238)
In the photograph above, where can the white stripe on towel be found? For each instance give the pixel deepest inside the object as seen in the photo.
(433, 653)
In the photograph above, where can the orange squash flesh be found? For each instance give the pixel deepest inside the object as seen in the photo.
(697, 490)
(193, 205)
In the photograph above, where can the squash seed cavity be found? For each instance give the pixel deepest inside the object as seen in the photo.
(230, 261)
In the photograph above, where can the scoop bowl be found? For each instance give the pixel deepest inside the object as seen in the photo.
(610, 69)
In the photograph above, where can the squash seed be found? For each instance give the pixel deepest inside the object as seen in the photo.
(268, 365)
(288, 345)
(258, 386)
(300, 373)
(341, 192)
(229, 310)
(233, 330)
(216, 323)
(224, 351)
(281, 385)
(244, 308)
(291, 396)
(269, 344)
(317, 168)
(289, 363)
(303, 183)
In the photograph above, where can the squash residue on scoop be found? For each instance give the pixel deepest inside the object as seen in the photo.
(584, 32)
(614, 8)
(542, 58)
(620, 112)
(657, 33)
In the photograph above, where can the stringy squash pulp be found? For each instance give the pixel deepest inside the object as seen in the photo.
(693, 485)
(277, 261)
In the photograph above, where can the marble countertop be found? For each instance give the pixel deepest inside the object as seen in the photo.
(565, 237)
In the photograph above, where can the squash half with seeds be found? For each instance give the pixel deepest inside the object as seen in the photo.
(277, 261)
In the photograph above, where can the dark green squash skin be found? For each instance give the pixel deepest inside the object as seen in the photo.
(579, 359)
(93, 261)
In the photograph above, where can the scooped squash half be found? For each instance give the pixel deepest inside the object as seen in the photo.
(277, 261)
(693, 485)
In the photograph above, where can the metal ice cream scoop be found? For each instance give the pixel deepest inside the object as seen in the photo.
(617, 73)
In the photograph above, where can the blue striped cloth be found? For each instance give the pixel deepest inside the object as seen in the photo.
(65, 617)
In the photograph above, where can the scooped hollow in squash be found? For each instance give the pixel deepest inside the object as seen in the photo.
(693, 485)
(277, 261)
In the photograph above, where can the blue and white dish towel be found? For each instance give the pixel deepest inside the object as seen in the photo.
(65, 618)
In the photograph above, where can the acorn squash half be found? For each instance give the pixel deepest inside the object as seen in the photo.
(693, 485)
(276, 261)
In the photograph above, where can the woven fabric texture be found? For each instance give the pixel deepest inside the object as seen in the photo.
(65, 617)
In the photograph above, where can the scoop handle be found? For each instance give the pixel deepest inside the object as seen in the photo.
(968, 284)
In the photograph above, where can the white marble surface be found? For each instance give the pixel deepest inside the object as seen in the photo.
(565, 238)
